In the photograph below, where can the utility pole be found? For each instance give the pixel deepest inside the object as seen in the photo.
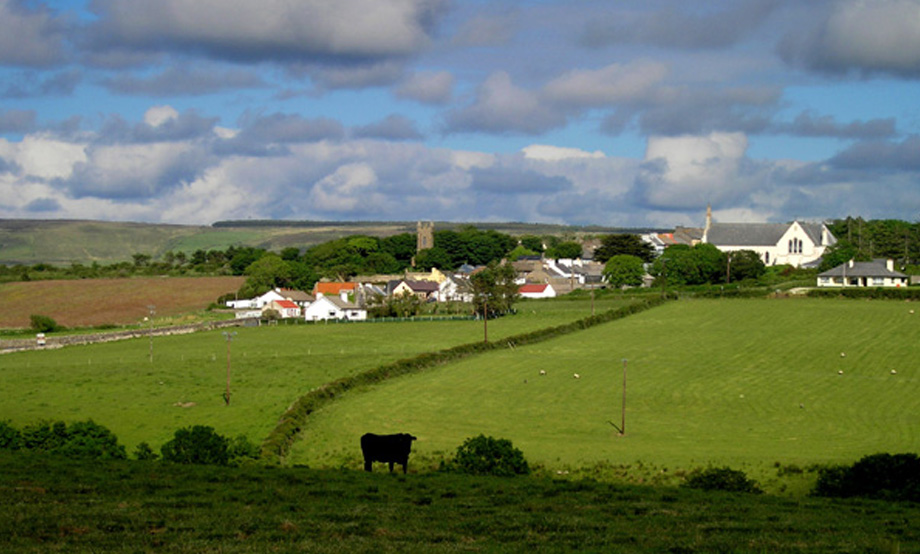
(229, 337)
(152, 309)
(623, 413)
(485, 320)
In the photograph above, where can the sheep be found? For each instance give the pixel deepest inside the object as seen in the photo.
(894, 372)
(542, 372)
(840, 372)
(577, 376)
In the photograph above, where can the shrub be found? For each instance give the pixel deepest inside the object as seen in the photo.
(240, 449)
(885, 476)
(196, 445)
(10, 437)
(721, 479)
(83, 439)
(43, 323)
(89, 440)
(144, 452)
(483, 455)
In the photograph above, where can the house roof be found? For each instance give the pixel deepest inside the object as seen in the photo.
(287, 304)
(342, 304)
(332, 287)
(421, 286)
(297, 295)
(532, 289)
(875, 268)
(759, 234)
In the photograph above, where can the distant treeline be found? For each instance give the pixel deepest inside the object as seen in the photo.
(509, 227)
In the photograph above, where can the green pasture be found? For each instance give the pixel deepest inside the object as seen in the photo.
(753, 384)
(116, 385)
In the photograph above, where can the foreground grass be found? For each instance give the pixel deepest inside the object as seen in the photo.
(752, 384)
(117, 386)
(49, 505)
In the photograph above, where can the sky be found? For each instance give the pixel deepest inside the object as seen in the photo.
(617, 113)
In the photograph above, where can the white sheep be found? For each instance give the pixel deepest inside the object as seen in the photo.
(894, 371)
(577, 376)
(843, 354)
(542, 372)
(840, 372)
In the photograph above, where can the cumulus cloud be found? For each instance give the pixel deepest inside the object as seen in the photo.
(555, 153)
(808, 124)
(186, 80)
(268, 30)
(393, 127)
(687, 171)
(17, 121)
(863, 36)
(673, 28)
(32, 84)
(606, 86)
(493, 29)
(501, 107)
(427, 87)
(881, 156)
(697, 111)
(30, 35)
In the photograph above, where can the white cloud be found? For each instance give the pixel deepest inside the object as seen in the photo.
(158, 115)
(686, 171)
(555, 153)
(606, 86)
(501, 107)
(427, 87)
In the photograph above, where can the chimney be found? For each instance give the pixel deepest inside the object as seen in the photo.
(851, 263)
(889, 263)
(708, 222)
(344, 296)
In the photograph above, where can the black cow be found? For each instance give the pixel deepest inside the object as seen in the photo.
(391, 449)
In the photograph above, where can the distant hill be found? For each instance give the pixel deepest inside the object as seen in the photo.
(30, 242)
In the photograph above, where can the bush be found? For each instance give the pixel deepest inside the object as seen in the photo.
(83, 439)
(43, 323)
(10, 437)
(240, 449)
(489, 456)
(721, 479)
(885, 476)
(144, 452)
(196, 445)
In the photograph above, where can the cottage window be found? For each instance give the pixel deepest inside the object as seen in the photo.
(878, 281)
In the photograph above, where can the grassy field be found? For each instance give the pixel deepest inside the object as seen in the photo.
(80, 303)
(49, 505)
(753, 384)
(116, 385)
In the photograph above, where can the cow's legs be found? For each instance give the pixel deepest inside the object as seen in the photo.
(368, 465)
(391, 467)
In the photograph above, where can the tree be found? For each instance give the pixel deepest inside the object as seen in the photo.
(624, 270)
(532, 242)
(196, 445)
(433, 257)
(684, 265)
(745, 264)
(268, 272)
(484, 455)
(624, 243)
(565, 250)
(494, 287)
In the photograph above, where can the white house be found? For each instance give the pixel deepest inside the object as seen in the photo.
(300, 298)
(334, 307)
(797, 243)
(285, 308)
(877, 273)
(537, 291)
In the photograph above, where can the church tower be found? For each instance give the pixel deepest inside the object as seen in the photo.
(425, 232)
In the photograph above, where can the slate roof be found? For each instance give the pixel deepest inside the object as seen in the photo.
(875, 268)
(342, 304)
(422, 286)
(758, 234)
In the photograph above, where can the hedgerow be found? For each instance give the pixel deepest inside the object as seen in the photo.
(291, 424)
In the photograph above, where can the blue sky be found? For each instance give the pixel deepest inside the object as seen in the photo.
(627, 113)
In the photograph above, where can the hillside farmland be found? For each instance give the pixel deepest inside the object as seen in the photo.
(80, 303)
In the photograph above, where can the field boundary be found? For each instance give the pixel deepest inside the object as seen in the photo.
(291, 425)
(18, 345)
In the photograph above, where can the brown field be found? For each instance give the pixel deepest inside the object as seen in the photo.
(79, 303)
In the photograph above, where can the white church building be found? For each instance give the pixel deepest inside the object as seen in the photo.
(797, 243)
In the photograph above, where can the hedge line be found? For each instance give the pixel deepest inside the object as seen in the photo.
(899, 293)
(292, 422)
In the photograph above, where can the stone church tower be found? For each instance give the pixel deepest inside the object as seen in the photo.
(425, 231)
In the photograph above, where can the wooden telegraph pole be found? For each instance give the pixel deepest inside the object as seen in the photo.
(623, 413)
(229, 337)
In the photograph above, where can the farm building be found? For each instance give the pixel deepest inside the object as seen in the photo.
(537, 291)
(877, 273)
(286, 308)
